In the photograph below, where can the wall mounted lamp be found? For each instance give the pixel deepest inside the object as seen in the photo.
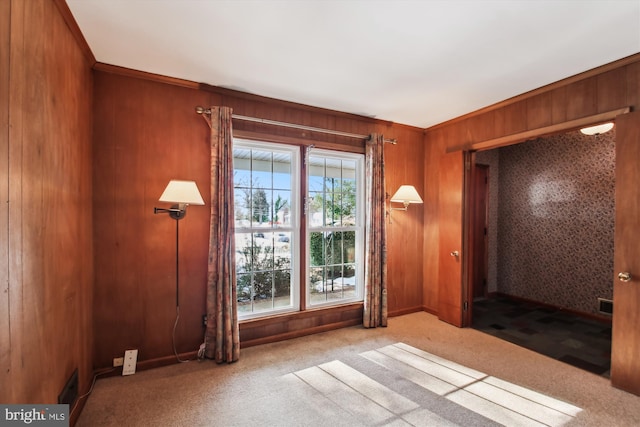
(406, 195)
(598, 129)
(182, 194)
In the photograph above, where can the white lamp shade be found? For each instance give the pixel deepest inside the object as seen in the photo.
(182, 192)
(406, 194)
(597, 130)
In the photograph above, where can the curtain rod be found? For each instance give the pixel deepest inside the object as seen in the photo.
(201, 110)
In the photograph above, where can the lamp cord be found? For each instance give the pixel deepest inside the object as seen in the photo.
(173, 335)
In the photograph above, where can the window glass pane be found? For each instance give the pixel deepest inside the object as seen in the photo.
(242, 207)
(336, 227)
(265, 190)
(260, 207)
(332, 212)
(243, 284)
(282, 208)
(282, 287)
(316, 183)
(316, 248)
(241, 167)
(316, 209)
(348, 200)
(349, 247)
(282, 171)
(318, 285)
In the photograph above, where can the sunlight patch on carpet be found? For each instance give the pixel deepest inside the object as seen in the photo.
(467, 389)
(498, 400)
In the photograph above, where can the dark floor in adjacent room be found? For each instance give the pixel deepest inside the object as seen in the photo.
(578, 341)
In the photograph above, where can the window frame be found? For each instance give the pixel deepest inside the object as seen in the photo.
(358, 228)
(300, 230)
(294, 228)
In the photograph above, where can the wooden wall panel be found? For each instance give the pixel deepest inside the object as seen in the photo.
(581, 99)
(435, 144)
(539, 111)
(604, 90)
(49, 216)
(611, 90)
(5, 336)
(404, 165)
(633, 84)
(146, 132)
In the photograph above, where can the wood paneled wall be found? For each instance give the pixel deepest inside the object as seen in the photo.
(558, 107)
(147, 132)
(46, 262)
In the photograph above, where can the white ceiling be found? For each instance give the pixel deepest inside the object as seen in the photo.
(417, 62)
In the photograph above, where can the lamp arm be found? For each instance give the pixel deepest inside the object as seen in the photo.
(176, 211)
(164, 210)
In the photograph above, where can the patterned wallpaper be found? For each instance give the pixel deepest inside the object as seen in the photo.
(556, 210)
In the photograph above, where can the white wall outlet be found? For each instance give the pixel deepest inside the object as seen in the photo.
(118, 361)
(130, 359)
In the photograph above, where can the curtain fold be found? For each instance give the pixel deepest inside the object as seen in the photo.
(375, 290)
(222, 337)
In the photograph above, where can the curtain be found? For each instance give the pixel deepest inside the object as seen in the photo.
(375, 287)
(222, 337)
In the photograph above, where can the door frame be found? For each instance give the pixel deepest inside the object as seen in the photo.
(468, 196)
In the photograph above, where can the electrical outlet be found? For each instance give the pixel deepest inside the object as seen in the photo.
(130, 359)
(118, 361)
(204, 320)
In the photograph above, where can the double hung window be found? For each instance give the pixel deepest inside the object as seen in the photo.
(299, 227)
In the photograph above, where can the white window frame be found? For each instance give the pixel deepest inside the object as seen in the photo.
(359, 229)
(294, 228)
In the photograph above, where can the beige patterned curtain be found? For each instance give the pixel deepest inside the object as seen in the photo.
(375, 287)
(222, 337)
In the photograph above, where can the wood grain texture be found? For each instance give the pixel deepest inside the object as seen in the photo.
(5, 333)
(450, 210)
(625, 363)
(566, 105)
(49, 243)
(576, 98)
(142, 141)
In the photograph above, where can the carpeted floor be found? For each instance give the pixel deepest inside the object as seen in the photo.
(578, 341)
(418, 371)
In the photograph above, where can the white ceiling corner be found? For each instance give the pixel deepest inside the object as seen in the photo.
(415, 62)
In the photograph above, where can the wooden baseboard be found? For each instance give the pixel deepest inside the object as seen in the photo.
(404, 311)
(430, 310)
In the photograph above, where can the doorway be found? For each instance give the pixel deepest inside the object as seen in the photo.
(551, 229)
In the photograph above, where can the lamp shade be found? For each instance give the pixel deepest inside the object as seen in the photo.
(182, 192)
(597, 130)
(406, 194)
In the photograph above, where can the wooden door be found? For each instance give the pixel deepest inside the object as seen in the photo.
(478, 230)
(450, 220)
(625, 345)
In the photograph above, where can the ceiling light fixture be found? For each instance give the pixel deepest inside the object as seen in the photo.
(598, 129)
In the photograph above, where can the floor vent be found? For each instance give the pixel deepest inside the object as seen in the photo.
(605, 306)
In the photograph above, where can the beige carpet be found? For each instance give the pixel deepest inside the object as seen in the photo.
(417, 371)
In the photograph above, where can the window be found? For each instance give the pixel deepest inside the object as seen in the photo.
(278, 263)
(266, 222)
(334, 227)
